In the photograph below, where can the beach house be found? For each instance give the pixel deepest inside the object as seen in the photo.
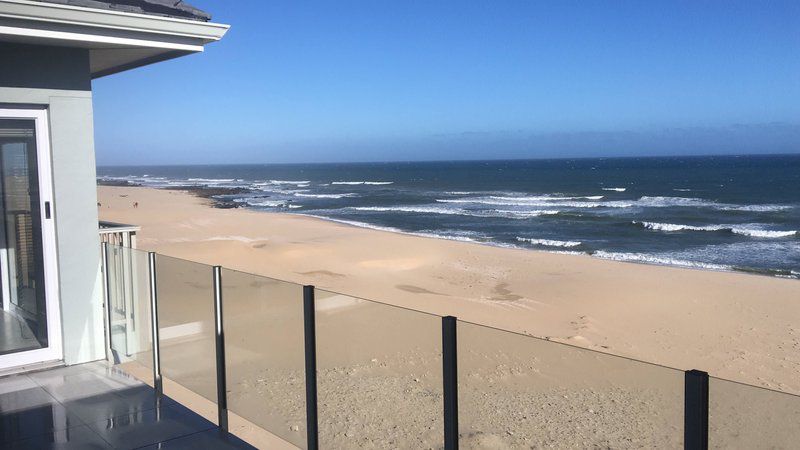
(50, 51)
(51, 309)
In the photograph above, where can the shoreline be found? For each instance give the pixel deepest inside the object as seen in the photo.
(689, 265)
(732, 325)
(213, 194)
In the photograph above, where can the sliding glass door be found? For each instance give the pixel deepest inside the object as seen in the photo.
(30, 330)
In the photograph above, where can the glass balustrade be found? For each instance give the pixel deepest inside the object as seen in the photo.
(379, 371)
(264, 353)
(186, 325)
(518, 391)
(379, 374)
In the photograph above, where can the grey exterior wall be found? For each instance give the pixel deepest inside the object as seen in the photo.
(58, 79)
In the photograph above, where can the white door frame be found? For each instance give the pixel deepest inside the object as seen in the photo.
(54, 350)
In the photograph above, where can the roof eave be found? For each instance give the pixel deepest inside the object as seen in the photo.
(145, 38)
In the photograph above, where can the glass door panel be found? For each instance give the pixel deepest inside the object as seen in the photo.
(26, 316)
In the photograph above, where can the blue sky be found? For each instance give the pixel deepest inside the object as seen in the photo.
(412, 80)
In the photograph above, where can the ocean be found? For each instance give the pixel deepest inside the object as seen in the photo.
(737, 213)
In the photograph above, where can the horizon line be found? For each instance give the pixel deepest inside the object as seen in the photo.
(711, 155)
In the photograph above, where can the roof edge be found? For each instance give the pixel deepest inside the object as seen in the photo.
(101, 18)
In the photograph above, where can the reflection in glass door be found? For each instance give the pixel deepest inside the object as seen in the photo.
(29, 328)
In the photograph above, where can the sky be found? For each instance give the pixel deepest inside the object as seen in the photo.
(378, 80)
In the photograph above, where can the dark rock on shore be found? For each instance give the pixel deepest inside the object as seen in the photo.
(222, 197)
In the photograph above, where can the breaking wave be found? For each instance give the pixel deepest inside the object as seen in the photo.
(211, 180)
(550, 242)
(519, 201)
(509, 214)
(410, 209)
(267, 203)
(660, 260)
(350, 194)
(615, 189)
(736, 229)
(544, 198)
(286, 182)
(353, 183)
(691, 202)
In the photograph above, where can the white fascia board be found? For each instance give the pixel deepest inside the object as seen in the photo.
(152, 28)
(62, 36)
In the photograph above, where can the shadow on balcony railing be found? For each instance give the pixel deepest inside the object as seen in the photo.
(322, 369)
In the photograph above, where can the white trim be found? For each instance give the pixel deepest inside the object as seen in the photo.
(54, 350)
(96, 38)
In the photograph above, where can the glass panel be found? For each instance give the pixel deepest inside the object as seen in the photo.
(129, 303)
(521, 392)
(742, 416)
(264, 352)
(379, 370)
(23, 316)
(186, 325)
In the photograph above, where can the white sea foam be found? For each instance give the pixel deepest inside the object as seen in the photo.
(350, 194)
(682, 190)
(665, 202)
(655, 259)
(306, 182)
(212, 180)
(752, 230)
(449, 237)
(526, 214)
(615, 189)
(454, 236)
(373, 183)
(358, 224)
(410, 209)
(422, 209)
(511, 201)
(763, 233)
(267, 203)
(549, 242)
(677, 227)
(754, 208)
(543, 198)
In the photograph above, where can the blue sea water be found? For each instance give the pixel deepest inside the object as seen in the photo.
(719, 213)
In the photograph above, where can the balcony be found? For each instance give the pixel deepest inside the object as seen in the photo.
(289, 366)
(98, 406)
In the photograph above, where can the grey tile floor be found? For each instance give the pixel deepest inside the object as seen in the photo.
(94, 406)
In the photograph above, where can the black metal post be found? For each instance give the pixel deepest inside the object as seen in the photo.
(151, 267)
(695, 410)
(450, 379)
(311, 368)
(222, 390)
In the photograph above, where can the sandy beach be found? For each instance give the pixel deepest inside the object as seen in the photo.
(736, 326)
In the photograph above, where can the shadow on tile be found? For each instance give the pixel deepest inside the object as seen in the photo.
(150, 427)
(73, 438)
(205, 440)
(30, 412)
